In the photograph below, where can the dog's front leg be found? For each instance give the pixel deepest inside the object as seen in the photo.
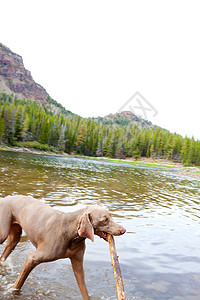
(77, 265)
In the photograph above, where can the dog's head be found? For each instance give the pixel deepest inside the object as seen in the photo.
(97, 220)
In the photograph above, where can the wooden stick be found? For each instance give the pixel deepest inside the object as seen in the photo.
(116, 267)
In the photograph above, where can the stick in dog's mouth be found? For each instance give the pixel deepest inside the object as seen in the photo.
(103, 235)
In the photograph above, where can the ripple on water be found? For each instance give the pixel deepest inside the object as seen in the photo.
(159, 253)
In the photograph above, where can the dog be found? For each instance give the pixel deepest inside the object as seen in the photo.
(54, 234)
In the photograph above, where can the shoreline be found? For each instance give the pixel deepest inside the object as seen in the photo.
(193, 172)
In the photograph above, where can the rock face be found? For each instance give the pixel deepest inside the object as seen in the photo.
(15, 79)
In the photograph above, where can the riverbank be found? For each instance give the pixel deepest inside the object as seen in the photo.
(193, 172)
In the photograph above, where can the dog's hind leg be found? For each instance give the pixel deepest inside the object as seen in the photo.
(12, 240)
(34, 259)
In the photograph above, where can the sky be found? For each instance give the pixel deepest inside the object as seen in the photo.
(101, 57)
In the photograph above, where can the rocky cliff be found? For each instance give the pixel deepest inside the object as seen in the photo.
(15, 79)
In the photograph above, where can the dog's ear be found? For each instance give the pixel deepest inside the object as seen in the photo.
(85, 228)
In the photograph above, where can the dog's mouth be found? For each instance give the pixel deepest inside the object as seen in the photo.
(103, 235)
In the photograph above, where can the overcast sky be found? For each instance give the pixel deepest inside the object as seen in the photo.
(93, 56)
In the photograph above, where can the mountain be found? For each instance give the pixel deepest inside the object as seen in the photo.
(124, 118)
(29, 117)
(15, 79)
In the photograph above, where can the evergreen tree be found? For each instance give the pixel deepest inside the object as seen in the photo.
(81, 138)
(2, 129)
(25, 128)
(23, 120)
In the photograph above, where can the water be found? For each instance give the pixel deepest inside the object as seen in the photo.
(159, 255)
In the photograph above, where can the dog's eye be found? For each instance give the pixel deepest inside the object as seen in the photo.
(104, 220)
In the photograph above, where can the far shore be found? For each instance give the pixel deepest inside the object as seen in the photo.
(193, 172)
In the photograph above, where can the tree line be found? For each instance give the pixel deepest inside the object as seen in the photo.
(30, 124)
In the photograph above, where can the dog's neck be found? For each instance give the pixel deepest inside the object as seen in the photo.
(70, 223)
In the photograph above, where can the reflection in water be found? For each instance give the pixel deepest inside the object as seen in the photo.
(159, 254)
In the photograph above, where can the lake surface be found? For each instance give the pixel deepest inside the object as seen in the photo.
(160, 253)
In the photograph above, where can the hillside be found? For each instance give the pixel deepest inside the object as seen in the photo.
(17, 82)
(30, 118)
(15, 79)
(124, 118)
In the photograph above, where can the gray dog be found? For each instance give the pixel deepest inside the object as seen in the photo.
(54, 234)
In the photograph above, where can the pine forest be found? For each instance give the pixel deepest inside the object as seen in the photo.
(50, 127)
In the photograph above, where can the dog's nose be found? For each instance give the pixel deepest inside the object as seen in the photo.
(122, 230)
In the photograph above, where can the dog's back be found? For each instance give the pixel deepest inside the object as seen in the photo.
(26, 211)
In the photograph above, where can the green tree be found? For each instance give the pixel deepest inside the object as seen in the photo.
(136, 154)
(80, 140)
(2, 129)
(25, 128)
(18, 121)
(152, 151)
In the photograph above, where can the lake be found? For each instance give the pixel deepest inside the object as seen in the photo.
(160, 252)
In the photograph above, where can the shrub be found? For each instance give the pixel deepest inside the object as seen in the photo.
(36, 145)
